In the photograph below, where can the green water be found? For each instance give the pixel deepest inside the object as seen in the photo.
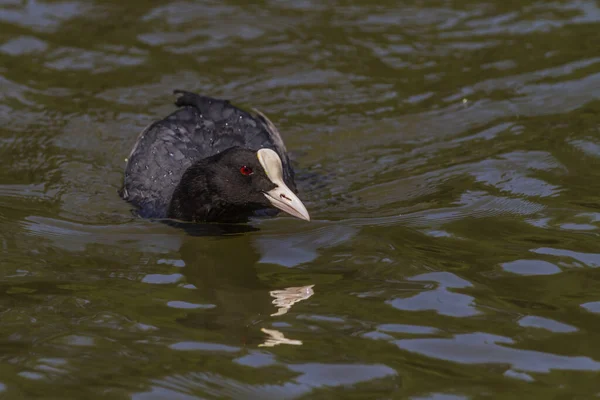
(448, 153)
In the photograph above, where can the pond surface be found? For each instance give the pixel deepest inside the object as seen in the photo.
(449, 155)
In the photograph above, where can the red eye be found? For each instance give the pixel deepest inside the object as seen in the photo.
(246, 170)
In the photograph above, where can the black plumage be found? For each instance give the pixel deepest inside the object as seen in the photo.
(186, 166)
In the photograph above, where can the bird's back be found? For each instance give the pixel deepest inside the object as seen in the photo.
(201, 127)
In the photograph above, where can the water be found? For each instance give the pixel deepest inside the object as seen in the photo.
(448, 153)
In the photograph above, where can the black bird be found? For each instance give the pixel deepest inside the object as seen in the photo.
(210, 161)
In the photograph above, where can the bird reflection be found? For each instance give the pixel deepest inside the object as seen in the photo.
(276, 338)
(224, 270)
(286, 298)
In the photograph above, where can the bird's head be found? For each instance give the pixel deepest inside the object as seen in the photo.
(240, 179)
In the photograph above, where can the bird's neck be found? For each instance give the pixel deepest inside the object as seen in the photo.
(192, 200)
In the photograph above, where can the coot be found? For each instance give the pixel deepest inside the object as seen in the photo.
(210, 161)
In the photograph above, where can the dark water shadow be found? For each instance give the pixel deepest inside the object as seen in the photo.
(224, 270)
(196, 229)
